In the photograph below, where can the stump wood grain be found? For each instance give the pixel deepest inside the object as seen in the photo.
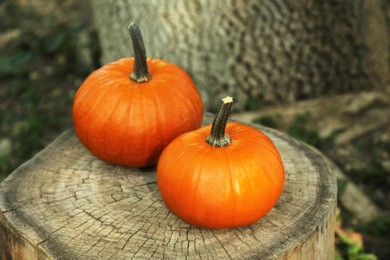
(67, 204)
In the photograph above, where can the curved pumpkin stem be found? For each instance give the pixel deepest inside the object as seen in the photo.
(140, 72)
(217, 137)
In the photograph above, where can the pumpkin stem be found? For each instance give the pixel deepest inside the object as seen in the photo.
(217, 137)
(140, 72)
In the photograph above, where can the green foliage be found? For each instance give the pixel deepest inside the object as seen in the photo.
(346, 249)
(300, 130)
(254, 104)
(15, 65)
(341, 185)
(372, 148)
(266, 121)
(378, 227)
(39, 72)
(59, 41)
(373, 175)
(26, 125)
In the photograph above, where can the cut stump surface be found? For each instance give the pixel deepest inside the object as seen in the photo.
(67, 204)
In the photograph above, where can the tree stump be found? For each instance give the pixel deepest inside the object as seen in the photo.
(67, 204)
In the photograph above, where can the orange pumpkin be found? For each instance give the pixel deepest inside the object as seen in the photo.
(128, 111)
(230, 178)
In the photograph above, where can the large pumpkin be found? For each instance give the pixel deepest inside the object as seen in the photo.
(128, 111)
(229, 178)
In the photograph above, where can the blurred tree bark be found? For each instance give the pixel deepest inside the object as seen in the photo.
(258, 51)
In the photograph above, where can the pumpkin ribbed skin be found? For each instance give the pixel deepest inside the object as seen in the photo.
(221, 187)
(129, 123)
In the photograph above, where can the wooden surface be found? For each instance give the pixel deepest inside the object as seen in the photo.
(66, 204)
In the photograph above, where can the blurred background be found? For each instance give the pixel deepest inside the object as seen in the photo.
(47, 48)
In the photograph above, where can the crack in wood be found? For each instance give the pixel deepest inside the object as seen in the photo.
(83, 208)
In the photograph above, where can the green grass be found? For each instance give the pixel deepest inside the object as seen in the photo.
(348, 250)
(301, 130)
(39, 73)
(378, 227)
(268, 121)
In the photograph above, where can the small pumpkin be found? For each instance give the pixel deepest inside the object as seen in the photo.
(229, 178)
(127, 111)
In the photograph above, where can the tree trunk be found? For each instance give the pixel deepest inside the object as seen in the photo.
(269, 51)
(67, 204)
